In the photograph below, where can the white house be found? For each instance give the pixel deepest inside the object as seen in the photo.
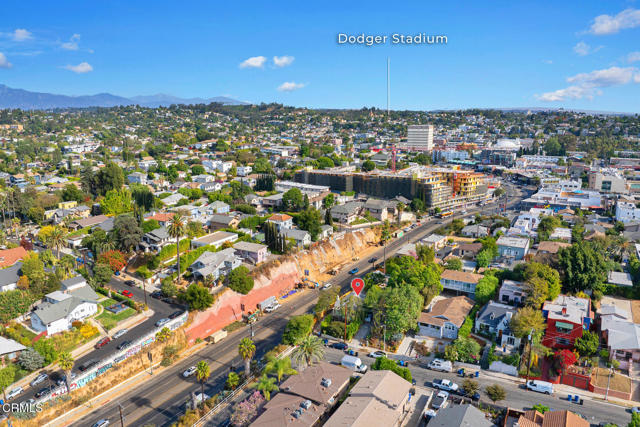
(215, 264)
(445, 317)
(59, 309)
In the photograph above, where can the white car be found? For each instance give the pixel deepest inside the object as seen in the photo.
(120, 333)
(377, 354)
(272, 308)
(327, 286)
(190, 371)
(15, 392)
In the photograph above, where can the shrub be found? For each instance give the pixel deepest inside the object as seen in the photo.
(496, 392)
(382, 363)
(240, 281)
(297, 328)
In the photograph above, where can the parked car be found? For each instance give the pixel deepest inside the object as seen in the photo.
(156, 294)
(440, 365)
(354, 270)
(101, 423)
(272, 308)
(378, 353)
(37, 380)
(127, 293)
(162, 322)
(327, 285)
(373, 259)
(63, 379)
(475, 396)
(129, 282)
(540, 386)
(175, 314)
(88, 365)
(353, 363)
(120, 333)
(440, 400)
(44, 392)
(104, 341)
(445, 384)
(123, 345)
(190, 371)
(339, 345)
(15, 392)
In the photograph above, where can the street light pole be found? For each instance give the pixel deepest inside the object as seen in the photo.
(121, 416)
(606, 395)
(529, 357)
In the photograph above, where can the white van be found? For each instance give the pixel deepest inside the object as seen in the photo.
(15, 392)
(441, 365)
(540, 386)
(353, 363)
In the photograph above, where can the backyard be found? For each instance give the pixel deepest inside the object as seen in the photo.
(108, 319)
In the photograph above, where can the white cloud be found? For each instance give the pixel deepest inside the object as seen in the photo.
(582, 49)
(633, 57)
(254, 62)
(290, 86)
(283, 61)
(547, 61)
(4, 62)
(587, 85)
(21, 35)
(607, 24)
(81, 68)
(72, 44)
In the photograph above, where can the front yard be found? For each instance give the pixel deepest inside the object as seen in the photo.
(108, 319)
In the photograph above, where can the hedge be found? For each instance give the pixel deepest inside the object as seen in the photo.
(382, 363)
(169, 251)
(116, 296)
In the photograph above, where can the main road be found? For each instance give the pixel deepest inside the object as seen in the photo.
(160, 400)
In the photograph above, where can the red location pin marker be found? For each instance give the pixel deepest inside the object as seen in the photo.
(357, 285)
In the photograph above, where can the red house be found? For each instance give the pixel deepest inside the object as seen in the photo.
(566, 318)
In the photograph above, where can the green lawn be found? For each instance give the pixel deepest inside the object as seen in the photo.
(109, 320)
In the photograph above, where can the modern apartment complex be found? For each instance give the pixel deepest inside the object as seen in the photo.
(419, 138)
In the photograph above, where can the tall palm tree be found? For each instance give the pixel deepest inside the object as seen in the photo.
(177, 228)
(202, 373)
(280, 367)
(55, 239)
(247, 349)
(66, 361)
(266, 386)
(309, 350)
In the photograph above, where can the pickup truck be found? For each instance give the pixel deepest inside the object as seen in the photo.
(440, 400)
(446, 385)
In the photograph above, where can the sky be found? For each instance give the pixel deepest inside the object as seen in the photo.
(572, 54)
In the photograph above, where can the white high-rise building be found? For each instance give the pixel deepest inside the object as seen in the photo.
(419, 138)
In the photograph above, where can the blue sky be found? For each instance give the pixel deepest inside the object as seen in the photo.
(577, 54)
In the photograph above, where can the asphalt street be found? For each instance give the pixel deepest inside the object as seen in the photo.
(517, 396)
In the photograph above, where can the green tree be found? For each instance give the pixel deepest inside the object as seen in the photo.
(176, 229)
(402, 306)
(297, 329)
(128, 233)
(72, 192)
(46, 348)
(240, 280)
(527, 319)
(279, 366)
(30, 359)
(467, 349)
(198, 297)
(368, 166)
(635, 420)
(541, 283)
(546, 227)
(102, 274)
(382, 363)
(293, 200)
(583, 268)
(540, 408)
(110, 178)
(425, 254)
(203, 371)
(484, 258)
(267, 386)
(233, 380)
(486, 289)
(310, 220)
(328, 201)
(117, 202)
(7, 376)
(454, 264)
(246, 350)
(470, 386)
(66, 361)
(588, 344)
(496, 392)
(310, 349)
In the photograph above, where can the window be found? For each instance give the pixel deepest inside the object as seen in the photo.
(562, 341)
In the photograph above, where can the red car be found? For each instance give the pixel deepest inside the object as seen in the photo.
(104, 341)
(127, 293)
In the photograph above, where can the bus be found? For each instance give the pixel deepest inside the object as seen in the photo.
(445, 214)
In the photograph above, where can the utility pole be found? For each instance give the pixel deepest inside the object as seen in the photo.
(388, 85)
(529, 357)
(121, 416)
(606, 395)
(384, 336)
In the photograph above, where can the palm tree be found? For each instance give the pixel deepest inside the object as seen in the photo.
(266, 386)
(55, 239)
(280, 367)
(164, 334)
(247, 349)
(177, 228)
(202, 373)
(66, 361)
(309, 350)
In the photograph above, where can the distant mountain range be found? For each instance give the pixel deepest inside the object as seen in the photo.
(26, 100)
